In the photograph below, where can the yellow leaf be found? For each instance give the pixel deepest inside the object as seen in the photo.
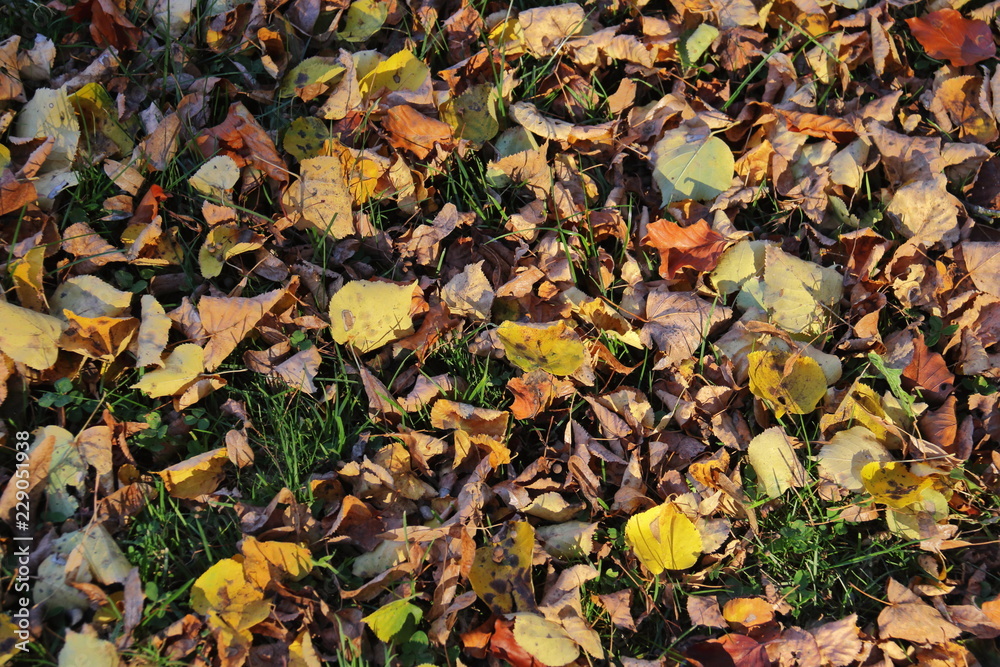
(319, 197)
(28, 272)
(790, 383)
(745, 613)
(388, 621)
(87, 650)
(738, 264)
(545, 641)
(306, 138)
(401, 71)
(28, 337)
(50, 114)
(364, 19)
(893, 485)
(663, 539)
(473, 114)
(847, 453)
(197, 475)
(501, 572)
(368, 314)
(553, 347)
(182, 367)
(89, 296)
(223, 242)
(311, 78)
(216, 178)
(773, 459)
(301, 652)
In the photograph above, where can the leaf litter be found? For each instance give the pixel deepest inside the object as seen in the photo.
(602, 298)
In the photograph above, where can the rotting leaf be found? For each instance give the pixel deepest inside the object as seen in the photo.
(501, 572)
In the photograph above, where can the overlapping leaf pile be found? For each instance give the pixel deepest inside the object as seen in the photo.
(716, 255)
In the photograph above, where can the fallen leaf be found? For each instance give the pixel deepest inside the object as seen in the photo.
(554, 347)
(663, 539)
(909, 618)
(28, 337)
(790, 383)
(501, 572)
(87, 650)
(690, 163)
(773, 458)
(388, 621)
(319, 197)
(413, 131)
(196, 476)
(544, 640)
(368, 314)
(947, 35)
(182, 368)
(696, 246)
(846, 455)
(892, 484)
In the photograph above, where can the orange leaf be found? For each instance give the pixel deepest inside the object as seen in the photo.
(412, 130)
(947, 35)
(837, 130)
(697, 246)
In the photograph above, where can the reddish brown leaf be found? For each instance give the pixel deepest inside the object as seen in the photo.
(731, 650)
(928, 371)
(697, 246)
(941, 426)
(947, 35)
(241, 137)
(108, 26)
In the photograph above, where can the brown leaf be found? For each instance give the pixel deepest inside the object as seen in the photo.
(947, 35)
(704, 610)
(696, 246)
(618, 605)
(534, 393)
(839, 642)
(908, 617)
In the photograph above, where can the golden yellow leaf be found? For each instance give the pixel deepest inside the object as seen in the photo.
(9, 639)
(747, 612)
(773, 458)
(288, 558)
(501, 572)
(554, 347)
(28, 337)
(545, 641)
(893, 485)
(229, 600)
(401, 71)
(790, 383)
(197, 475)
(182, 367)
(368, 314)
(663, 539)
(319, 197)
(28, 272)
